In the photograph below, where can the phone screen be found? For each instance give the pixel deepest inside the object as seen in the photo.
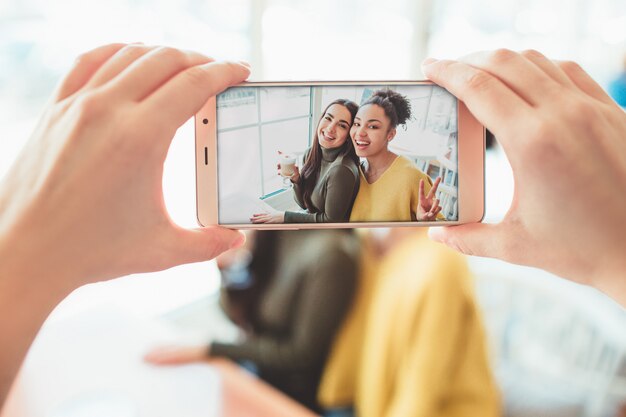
(337, 154)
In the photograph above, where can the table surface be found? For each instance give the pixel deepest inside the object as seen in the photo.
(238, 208)
(97, 356)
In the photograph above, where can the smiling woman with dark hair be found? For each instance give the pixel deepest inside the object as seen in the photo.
(329, 181)
(391, 187)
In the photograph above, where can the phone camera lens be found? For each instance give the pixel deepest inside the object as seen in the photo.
(205, 121)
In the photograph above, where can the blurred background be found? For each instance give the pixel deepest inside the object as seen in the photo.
(556, 348)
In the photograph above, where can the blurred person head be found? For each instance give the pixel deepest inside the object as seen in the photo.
(259, 256)
(264, 261)
(376, 121)
(332, 132)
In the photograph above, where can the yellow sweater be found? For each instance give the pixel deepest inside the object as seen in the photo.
(392, 197)
(342, 370)
(424, 352)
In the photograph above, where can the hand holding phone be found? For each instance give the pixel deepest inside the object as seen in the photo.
(83, 202)
(564, 137)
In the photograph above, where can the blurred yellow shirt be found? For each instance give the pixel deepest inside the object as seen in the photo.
(413, 342)
(424, 351)
(393, 197)
(342, 370)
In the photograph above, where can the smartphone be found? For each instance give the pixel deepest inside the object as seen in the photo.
(296, 155)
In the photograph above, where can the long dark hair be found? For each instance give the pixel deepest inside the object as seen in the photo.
(243, 302)
(266, 261)
(396, 106)
(313, 164)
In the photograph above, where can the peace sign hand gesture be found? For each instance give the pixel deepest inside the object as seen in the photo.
(427, 205)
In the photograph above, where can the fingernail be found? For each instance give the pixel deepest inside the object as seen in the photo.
(436, 234)
(237, 243)
(428, 61)
(245, 64)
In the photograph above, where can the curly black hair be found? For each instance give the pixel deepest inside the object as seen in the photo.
(396, 106)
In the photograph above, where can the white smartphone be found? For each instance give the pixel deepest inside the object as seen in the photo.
(295, 155)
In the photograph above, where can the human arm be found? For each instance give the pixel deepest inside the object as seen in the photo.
(84, 202)
(564, 138)
(298, 191)
(324, 298)
(269, 216)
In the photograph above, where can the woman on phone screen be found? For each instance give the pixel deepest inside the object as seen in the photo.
(329, 181)
(391, 187)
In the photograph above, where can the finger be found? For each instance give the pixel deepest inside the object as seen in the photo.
(435, 206)
(202, 244)
(261, 218)
(422, 196)
(153, 69)
(489, 240)
(433, 189)
(169, 356)
(118, 63)
(548, 66)
(519, 74)
(432, 211)
(184, 94)
(493, 103)
(437, 211)
(84, 68)
(584, 82)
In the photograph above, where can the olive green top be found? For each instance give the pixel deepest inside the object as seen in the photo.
(334, 193)
(300, 310)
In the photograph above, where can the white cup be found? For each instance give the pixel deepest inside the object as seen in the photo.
(287, 165)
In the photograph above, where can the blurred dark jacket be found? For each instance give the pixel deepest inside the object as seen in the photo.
(302, 286)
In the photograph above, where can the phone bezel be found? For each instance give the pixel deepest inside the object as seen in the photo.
(471, 165)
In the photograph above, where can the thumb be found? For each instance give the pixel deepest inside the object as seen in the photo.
(202, 244)
(488, 240)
